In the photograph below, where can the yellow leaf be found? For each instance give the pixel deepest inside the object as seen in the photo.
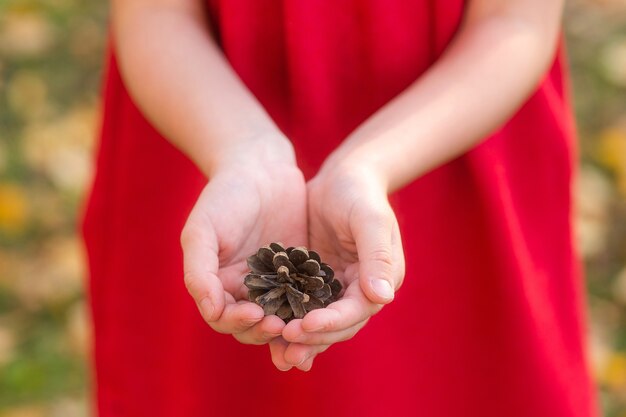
(24, 411)
(25, 33)
(614, 375)
(611, 153)
(13, 209)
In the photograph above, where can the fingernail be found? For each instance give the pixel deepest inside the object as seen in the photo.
(302, 361)
(207, 307)
(382, 289)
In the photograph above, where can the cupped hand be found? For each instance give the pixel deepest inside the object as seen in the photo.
(246, 204)
(354, 229)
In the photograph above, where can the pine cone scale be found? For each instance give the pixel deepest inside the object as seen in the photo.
(296, 299)
(266, 255)
(272, 306)
(313, 304)
(298, 255)
(271, 295)
(327, 273)
(257, 266)
(259, 282)
(284, 312)
(313, 283)
(276, 247)
(310, 267)
(282, 259)
(323, 293)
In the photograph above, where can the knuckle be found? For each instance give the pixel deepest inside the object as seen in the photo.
(237, 328)
(241, 326)
(383, 256)
(203, 312)
(192, 283)
(229, 325)
(246, 339)
(218, 328)
(331, 323)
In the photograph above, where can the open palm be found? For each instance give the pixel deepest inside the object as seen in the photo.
(353, 227)
(240, 209)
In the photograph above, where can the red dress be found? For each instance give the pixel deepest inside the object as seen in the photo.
(493, 295)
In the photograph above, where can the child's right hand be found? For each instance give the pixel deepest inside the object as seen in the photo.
(256, 196)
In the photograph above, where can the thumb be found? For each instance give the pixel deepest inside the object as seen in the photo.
(373, 237)
(200, 253)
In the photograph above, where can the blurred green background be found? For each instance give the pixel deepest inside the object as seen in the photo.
(50, 68)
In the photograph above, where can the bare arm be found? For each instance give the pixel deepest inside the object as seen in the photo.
(184, 85)
(493, 65)
(489, 70)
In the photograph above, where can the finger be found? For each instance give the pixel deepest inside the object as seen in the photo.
(297, 354)
(278, 346)
(237, 317)
(398, 255)
(262, 332)
(200, 259)
(296, 334)
(379, 273)
(307, 365)
(352, 309)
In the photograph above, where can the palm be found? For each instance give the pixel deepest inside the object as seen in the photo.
(330, 226)
(335, 246)
(246, 210)
(354, 229)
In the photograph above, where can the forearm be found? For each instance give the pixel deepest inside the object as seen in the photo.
(493, 65)
(183, 84)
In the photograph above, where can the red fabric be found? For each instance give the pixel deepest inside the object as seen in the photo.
(493, 298)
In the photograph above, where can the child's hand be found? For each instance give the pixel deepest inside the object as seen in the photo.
(353, 227)
(246, 204)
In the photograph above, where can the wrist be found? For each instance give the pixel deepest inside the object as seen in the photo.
(357, 165)
(352, 173)
(259, 150)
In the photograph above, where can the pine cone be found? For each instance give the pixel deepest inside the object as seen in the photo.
(290, 282)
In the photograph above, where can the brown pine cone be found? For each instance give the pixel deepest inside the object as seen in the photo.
(290, 282)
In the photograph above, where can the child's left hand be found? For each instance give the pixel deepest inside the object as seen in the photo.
(353, 227)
